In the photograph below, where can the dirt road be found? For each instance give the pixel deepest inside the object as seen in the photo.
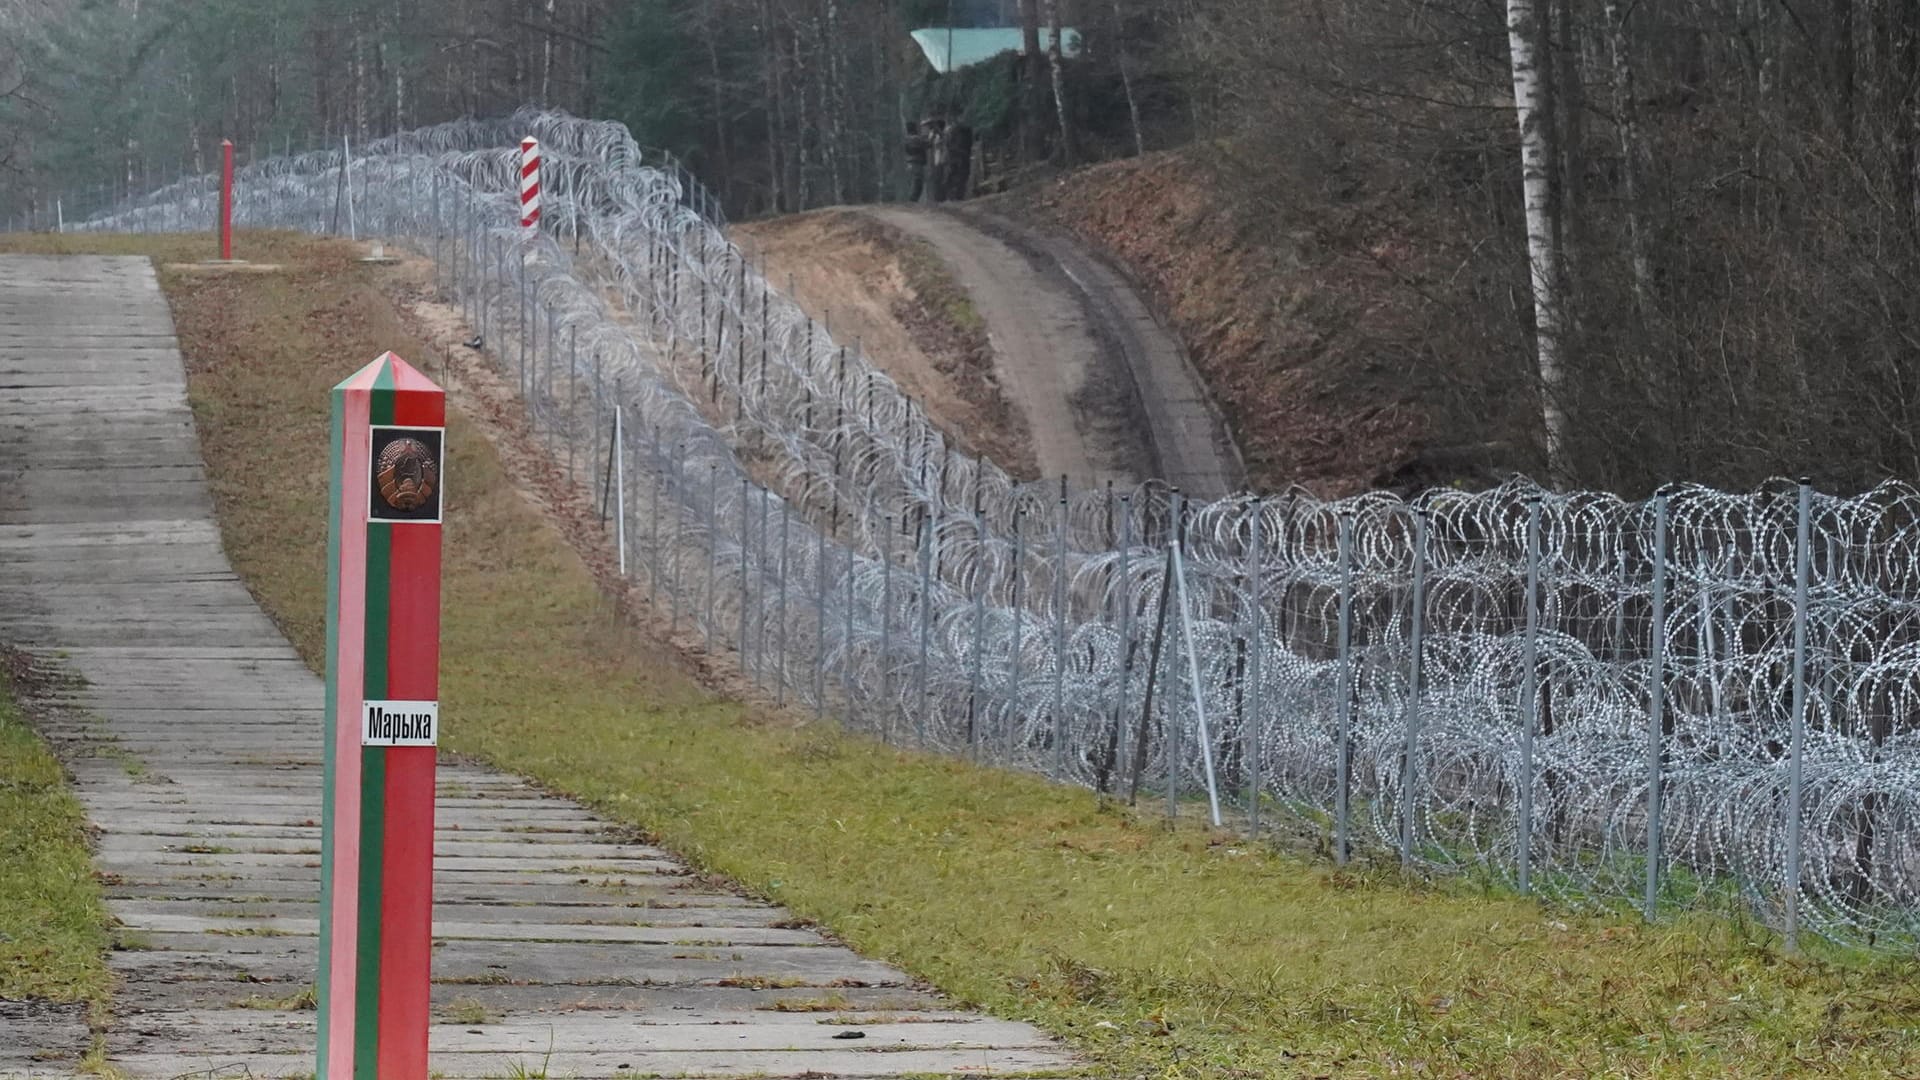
(1106, 393)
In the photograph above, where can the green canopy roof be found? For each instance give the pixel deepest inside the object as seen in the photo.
(949, 50)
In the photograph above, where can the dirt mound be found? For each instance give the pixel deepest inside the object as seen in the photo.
(876, 286)
(1310, 329)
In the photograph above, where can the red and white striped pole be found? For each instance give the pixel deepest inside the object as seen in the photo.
(226, 200)
(529, 185)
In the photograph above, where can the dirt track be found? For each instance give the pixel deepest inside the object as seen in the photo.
(1106, 392)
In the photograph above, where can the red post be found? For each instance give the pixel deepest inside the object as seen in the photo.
(226, 200)
(383, 717)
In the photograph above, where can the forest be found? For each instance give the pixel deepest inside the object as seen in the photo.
(1648, 243)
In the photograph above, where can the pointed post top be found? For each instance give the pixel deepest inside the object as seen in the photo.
(388, 372)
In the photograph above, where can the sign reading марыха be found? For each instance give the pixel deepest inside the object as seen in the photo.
(400, 723)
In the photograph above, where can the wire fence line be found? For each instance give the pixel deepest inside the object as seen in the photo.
(1700, 700)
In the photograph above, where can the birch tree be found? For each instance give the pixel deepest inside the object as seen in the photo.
(1533, 106)
(1056, 66)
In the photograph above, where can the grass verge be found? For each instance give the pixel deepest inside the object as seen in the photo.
(1172, 952)
(53, 934)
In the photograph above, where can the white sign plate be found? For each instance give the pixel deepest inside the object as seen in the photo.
(400, 723)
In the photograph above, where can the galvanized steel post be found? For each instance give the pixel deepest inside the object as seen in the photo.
(1529, 705)
(1796, 759)
(1409, 769)
(1656, 702)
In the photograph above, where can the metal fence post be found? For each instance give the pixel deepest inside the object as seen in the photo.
(573, 400)
(846, 645)
(760, 623)
(1060, 641)
(820, 628)
(1201, 730)
(1620, 608)
(466, 258)
(1124, 683)
(620, 488)
(1656, 700)
(713, 549)
(746, 544)
(1529, 706)
(978, 659)
(595, 473)
(780, 607)
(677, 486)
(544, 395)
(1256, 645)
(530, 393)
(1796, 762)
(1019, 632)
(653, 519)
(926, 628)
(1343, 751)
(886, 633)
(1408, 765)
(439, 263)
(1172, 730)
(492, 316)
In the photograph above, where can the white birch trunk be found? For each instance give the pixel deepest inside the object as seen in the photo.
(1057, 66)
(1543, 258)
(803, 83)
(1126, 78)
(836, 103)
(546, 59)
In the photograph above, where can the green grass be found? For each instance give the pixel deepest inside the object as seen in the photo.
(1163, 952)
(53, 926)
(930, 279)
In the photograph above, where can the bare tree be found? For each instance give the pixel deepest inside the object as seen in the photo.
(1632, 151)
(1033, 98)
(14, 99)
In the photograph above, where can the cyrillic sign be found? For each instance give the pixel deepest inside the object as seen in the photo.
(400, 723)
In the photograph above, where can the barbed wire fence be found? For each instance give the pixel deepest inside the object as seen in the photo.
(1705, 700)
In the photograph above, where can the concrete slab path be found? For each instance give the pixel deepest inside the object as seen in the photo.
(561, 947)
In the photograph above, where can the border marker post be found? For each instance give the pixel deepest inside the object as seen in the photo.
(530, 185)
(226, 200)
(387, 447)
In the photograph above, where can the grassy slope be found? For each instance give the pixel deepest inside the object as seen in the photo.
(52, 924)
(1171, 952)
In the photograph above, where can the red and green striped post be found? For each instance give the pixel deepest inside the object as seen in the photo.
(383, 687)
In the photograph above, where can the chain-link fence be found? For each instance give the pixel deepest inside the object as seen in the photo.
(1703, 700)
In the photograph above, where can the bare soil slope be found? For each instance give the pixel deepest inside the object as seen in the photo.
(1077, 402)
(876, 286)
(1020, 339)
(1312, 329)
